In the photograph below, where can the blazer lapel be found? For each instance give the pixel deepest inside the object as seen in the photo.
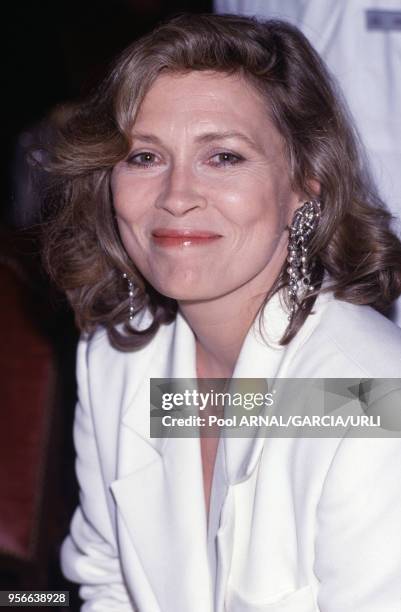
(160, 490)
(257, 360)
(261, 357)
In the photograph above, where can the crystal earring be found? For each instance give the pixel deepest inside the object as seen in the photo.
(130, 296)
(301, 230)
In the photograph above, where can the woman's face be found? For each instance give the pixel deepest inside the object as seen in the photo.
(206, 163)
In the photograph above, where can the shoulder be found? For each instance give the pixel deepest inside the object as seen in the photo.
(100, 365)
(95, 351)
(350, 340)
(97, 347)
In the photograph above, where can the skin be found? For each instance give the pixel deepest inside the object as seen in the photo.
(237, 187)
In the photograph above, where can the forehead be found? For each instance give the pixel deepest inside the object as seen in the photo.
(202, 95)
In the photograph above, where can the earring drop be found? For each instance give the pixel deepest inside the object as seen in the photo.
(301, 230)
(130, 296)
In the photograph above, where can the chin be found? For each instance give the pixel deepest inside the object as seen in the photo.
(184, 291)
(186, 295)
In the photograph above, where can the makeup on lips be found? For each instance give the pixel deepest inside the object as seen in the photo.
(183, 238)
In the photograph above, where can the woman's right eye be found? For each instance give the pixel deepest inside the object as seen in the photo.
(144, 159)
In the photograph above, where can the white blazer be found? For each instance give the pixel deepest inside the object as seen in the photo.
(296, 525)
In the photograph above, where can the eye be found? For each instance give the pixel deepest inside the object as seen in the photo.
(144, 159)
(226, 159)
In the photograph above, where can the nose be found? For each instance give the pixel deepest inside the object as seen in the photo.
(181, 192)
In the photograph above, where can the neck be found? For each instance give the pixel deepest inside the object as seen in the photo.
(220, 326)
(219, 334)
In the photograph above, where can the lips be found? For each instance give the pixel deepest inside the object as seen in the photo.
(183, 237)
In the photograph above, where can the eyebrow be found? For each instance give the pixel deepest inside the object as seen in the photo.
(204, 138)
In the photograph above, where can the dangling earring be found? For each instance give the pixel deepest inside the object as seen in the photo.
(303, 225)
(130, 296)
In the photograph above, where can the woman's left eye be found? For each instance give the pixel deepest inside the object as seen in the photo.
(226, 159)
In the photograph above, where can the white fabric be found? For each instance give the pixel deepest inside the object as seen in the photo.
(296, 525)
(366, 64)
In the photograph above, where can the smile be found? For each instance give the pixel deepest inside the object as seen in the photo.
(183, 238)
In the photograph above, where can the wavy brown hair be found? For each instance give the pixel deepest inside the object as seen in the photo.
(83, 251)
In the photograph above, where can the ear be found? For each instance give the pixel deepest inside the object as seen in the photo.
(314, 187)
(313, 190)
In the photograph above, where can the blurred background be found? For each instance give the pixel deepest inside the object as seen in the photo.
(58, 51)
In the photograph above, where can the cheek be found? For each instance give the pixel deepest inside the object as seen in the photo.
(126, 215)
(129, 195)
(125, 203)
(259, 217)
(261, 226)
(261, 240)
(129, 215)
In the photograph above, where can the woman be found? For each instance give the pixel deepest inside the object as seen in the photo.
(216, 222)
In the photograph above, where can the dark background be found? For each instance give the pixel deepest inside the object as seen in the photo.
(56, 52)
